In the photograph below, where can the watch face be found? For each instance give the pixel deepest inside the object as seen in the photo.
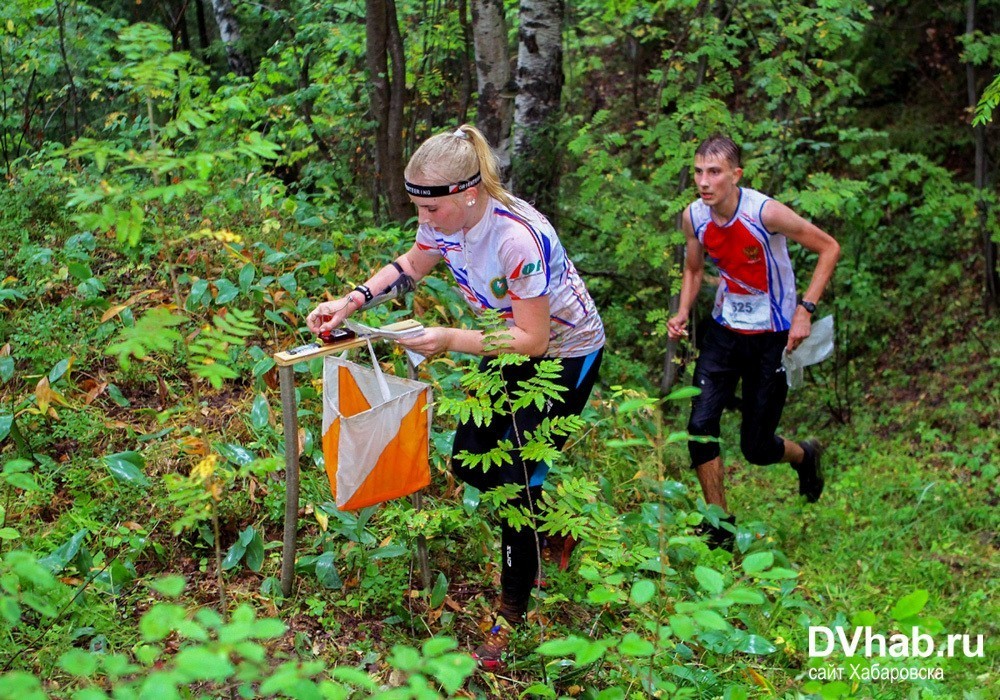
(808, 306)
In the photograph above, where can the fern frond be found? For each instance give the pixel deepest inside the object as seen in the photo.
(210, 351)
(153, 332)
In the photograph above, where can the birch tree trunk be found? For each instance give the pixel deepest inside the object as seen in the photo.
(229, 31)
(386, 70)
(536, 106)
(495, 104)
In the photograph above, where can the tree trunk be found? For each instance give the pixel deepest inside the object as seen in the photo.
(386, 70)
(495, 105)
(229, 31)
(465, 84)
(536, 106)
(991, 281)
(202, 24)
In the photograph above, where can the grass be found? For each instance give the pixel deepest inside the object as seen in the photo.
(910, 504)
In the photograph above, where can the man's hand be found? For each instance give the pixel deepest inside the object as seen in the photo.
(801, 328)
(431, 341)
(677, 326)
(330, 314)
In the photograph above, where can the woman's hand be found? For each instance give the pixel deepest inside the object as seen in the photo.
(330, 314)
(432, 341)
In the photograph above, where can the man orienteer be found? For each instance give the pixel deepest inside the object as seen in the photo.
(755, 317)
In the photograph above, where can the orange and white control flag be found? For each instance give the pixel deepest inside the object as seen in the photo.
(376, 433)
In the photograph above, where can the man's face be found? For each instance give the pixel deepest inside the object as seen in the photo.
(716, 178)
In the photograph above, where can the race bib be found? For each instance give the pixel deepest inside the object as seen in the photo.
(747, 312)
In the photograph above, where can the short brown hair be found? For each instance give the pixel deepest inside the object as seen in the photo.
(721, 147)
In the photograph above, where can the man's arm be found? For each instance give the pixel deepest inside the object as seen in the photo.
(779, 218)
(694, 272)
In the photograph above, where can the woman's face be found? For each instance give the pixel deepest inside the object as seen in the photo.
(446, 214)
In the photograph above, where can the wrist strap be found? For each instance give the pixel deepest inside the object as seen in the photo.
(367, 293)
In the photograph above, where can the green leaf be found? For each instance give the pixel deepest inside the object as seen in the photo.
(10, 611)
(326, 571)
(405, 658)
(910, 605)
(198, 663)
(247, 274)
(263, 366)
(643, 591)
(778, 572)
(634, 645)
(755, 644)
(234, 555)
(63, 555)
(255, 553)
(170, 586)
(288, 283)
(682, 626)
(685, 392)
(710, 579)
(260, 412)
(710, 620)
(22, 685)
(6, 421)
(57, 372)
(196, 294)
(748, 596)
(226, 291)
(78, 662)
(440, 591)
(116, 395)
(81, 271)
(237, 454)
(9, 533)
(160, 621)
(127, 467)
(758, 561)
(570, 646)
(6, 368)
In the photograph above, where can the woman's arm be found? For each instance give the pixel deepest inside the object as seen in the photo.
(330, 314)
(528, 336)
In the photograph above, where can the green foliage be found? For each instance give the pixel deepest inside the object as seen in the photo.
(988, 103)
(210, 352)
(154, 332)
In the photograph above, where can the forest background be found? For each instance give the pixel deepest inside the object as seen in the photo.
(184, 181)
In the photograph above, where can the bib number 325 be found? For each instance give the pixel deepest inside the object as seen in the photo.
(749, 312)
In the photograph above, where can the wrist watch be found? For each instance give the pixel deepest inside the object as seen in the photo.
(808, 306)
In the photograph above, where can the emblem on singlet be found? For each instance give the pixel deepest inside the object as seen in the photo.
(498, 285)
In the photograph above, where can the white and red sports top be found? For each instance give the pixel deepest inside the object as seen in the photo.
(757, 290)
(509, 256)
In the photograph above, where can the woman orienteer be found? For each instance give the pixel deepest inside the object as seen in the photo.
(504, 255)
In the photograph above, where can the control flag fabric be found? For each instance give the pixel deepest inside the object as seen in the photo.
(376, 433)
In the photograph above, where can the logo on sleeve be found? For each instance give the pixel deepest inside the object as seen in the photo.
(498, 285)
(527, 269)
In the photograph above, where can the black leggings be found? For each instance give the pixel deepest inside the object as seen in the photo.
(518, 546)
(726, 357)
